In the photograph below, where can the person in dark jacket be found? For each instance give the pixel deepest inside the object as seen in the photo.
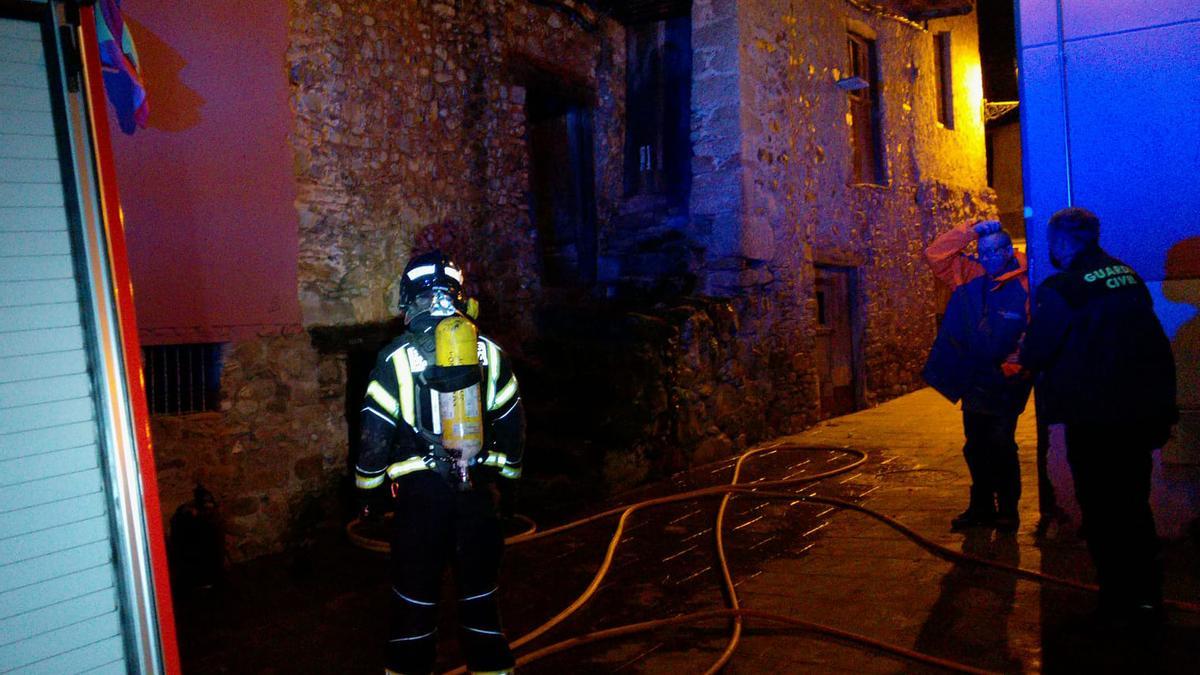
(1107, 374)
(446, 505)
(982, 327)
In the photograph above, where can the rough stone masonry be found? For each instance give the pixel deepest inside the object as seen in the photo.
(410, 132)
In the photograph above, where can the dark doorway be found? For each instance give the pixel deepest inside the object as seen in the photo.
(835, 339)
(561, 195)
(658, 91)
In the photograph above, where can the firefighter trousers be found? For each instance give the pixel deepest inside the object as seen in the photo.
(437, 526)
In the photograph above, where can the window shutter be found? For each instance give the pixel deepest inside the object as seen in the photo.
(59, 608)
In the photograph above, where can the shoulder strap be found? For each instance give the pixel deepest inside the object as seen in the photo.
(404, 382)
(490, 354)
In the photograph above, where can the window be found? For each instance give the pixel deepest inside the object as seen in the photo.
(561, 180)
(658, 108)
(182, 379)
(866, 135)
(944, 74)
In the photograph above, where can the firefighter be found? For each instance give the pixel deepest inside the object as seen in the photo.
(1107, 374)
(446, 494)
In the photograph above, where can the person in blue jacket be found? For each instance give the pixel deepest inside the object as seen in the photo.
(981, 330)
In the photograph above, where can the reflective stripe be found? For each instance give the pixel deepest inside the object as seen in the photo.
(410, 465)
(408, 599)
(405, 381)
(509, 411)
(379, 415)
(383, 398)
(423, 270)
(368, 482)
(493, 372)
(501, 460)
(415, 637)
(435, 410)
(485, 632)
(481, 595)
(453, 274)
(505, 394)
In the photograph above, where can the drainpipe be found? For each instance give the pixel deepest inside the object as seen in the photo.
(1062, 73)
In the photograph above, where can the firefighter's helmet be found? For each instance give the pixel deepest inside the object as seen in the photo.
(431, 276)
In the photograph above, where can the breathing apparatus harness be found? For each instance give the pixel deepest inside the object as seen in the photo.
(445, 357)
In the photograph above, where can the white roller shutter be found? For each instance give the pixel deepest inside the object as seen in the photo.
(59, 607)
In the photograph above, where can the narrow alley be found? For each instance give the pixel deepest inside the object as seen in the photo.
(805, 561)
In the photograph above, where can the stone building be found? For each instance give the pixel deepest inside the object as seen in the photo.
(695, 225)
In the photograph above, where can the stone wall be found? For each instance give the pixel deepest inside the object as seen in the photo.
(717, 196)
(275, 453)
(410, 132)
(798, 206)
(629, 395)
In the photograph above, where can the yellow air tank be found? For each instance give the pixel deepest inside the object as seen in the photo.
(461, 412)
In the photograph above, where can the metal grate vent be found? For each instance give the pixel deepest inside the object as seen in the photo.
(182, 379)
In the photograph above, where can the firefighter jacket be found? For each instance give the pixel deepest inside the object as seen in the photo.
(1101, 351)
(401, 425)
(981, 329)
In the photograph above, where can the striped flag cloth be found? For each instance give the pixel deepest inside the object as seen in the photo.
(119, 61)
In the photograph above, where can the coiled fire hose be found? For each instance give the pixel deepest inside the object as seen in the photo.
(760, 490)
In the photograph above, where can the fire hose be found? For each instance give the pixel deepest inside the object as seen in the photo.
(760, 490)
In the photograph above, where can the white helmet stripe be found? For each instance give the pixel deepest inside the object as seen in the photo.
(423, 270)
(454, 274)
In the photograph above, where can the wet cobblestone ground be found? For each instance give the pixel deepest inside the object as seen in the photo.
(324, 612)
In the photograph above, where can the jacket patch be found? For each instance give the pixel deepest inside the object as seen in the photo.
(416, 361)
(1113, 276)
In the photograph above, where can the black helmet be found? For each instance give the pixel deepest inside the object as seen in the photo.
(428, 272)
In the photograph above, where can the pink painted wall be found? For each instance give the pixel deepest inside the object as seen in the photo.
(208, 190)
